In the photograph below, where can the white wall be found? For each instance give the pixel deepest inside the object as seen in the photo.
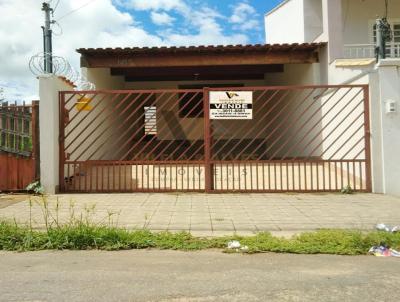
(389, 75)
(49, 86)
(359, 16)
(333, 28)
(295, 74)
(286, 23)
(349, 74)
(313, 20)
(376, 133)
(294, 21)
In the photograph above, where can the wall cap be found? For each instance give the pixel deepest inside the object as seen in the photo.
(389, 62)
(45, 76)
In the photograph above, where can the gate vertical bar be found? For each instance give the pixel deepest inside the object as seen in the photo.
(61, 159)
(207, 141)
(368, 174)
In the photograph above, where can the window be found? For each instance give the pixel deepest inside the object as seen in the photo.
(393, 48)
(395, 26)
(191, 105)
(150, 120)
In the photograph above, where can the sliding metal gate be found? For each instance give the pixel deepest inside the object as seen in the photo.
(301, 139)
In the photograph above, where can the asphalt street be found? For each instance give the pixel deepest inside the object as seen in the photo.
(151, 275)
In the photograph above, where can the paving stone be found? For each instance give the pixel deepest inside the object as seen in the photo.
(247, 212)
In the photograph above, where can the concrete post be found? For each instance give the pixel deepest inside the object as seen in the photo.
(49, 86)
(389, 80)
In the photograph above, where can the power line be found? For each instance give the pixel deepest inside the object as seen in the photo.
(75, 10)
(55, 6)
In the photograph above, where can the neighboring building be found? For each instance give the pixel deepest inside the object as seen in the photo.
(349, 28)
(348, 25)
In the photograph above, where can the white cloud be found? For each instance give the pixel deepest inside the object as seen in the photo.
(98, 24)
(165, 5)
(244, 17)
(161, 18)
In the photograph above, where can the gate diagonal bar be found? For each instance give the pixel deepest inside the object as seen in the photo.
(298, 139)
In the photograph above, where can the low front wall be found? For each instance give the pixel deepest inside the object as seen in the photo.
(16, 172)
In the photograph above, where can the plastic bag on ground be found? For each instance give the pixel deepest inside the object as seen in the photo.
(387, 228)
(234, 244)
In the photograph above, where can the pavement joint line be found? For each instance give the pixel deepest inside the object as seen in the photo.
(145, 200)
(172, 214)
(209, 213)
(191, 213)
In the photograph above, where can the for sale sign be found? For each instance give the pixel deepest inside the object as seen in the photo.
(231, 105)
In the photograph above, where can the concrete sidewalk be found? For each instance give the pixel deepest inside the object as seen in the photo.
(215, 215)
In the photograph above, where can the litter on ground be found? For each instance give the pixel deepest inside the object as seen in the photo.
(387, 228)
(235, 245)
(383, 251)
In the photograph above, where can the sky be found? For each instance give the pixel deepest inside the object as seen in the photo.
(118, 23)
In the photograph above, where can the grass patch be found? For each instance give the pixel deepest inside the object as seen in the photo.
(82, 236)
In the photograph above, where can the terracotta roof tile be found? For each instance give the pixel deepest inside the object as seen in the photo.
(201, 48)
(67, 81)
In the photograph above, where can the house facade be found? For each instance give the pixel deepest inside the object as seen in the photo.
(349, 28)
(233, 118)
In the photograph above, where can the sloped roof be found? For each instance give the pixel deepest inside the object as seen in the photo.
(201, 49)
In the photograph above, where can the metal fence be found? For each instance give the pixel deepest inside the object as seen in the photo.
(19, 145)
(302, 139)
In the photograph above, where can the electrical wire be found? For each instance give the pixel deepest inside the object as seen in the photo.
(386, 8)
(55, 6)
(59, 27)
(75, 10)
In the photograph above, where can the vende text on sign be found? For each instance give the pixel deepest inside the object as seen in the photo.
(231, 105)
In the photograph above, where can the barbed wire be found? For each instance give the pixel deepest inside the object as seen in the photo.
(61, 67)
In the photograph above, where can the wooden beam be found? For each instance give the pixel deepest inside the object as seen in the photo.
(218, 59)
(201, 77)
(196, 70)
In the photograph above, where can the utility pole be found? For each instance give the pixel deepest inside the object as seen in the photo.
(47, 38)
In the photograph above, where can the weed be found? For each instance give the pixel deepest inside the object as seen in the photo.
(347, 190)
(36, 188)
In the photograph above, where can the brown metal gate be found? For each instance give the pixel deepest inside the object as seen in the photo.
(301, 139)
